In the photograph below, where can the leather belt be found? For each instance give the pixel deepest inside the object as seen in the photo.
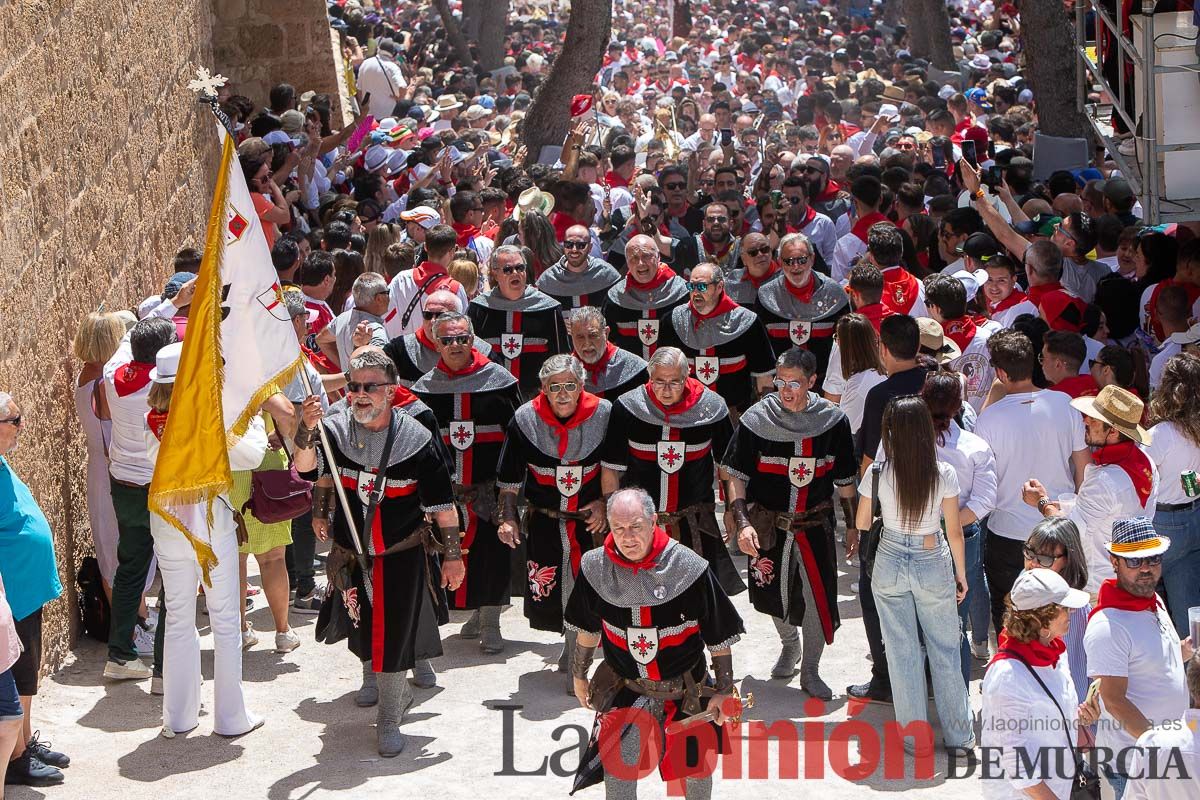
(128, 484)
(1188, 506)
(817, 516)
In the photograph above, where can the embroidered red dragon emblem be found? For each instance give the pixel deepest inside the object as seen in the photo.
(541, 580)
(350, 598)
(762, 570)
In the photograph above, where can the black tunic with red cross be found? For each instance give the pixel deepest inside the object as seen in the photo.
(557, 463)
(804, 317)
(727, 352)
(792, 462)
(473, 406)
(414, 354)
(614, 373)
(655, 619)
(523, 333)
(638, 315)
(573, 290)
(416, 483)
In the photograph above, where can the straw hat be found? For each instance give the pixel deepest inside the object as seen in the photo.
(533, 199)
(933, 339)
(1118, 407)
(447, 102)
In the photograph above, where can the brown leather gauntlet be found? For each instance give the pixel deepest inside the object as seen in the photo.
(581, 661)
(741, 517)
(322, 502)
(722, 673)
(508, 507)
(452, 541)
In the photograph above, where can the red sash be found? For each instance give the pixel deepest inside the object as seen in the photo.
(1130, 458)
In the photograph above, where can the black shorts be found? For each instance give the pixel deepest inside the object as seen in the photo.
(25, 671)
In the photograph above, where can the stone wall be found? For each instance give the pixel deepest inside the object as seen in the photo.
(107, 171)
(259, 43)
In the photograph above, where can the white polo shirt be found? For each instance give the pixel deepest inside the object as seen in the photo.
(1172, 454)
(1105, 496)
(1032, 435)
(1182, 736)
(975, 467)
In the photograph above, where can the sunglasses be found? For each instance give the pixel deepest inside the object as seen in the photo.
(700, 286)
(451, 340)
(754, 252)
(1039, 558)
(1137, 561)
(354, 387)
(514, 268)
(796, 261)
(779, 383)
(717, 220)
(574, 244)
(555, 388)
(674, 186)
(431, 315)
(14, 421)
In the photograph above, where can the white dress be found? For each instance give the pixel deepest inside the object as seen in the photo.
(97, 433)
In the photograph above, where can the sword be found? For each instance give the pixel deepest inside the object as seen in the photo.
(710, 715)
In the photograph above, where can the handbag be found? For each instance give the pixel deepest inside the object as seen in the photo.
(1086, 784)
(278, 495)
(870, 542)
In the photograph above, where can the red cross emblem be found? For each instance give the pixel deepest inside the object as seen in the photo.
(648, 331)
(569, 479)
(462, 434)
(512, 344)
(708, 369)
(643, 644)
(799, 331)
(670, 456)
(801, 470)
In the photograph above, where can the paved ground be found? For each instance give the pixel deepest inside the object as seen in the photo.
(317, 742)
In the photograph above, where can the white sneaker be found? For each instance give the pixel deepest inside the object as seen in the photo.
(287, 641)
(127, 670)
(143, 640)
(249, 637)
(981, 651)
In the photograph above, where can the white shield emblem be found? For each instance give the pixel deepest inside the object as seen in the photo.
(511, 344)
(670, 456)
(643, 644)
(708, 369)
(568, 480)
(801, 471)
(648, 331)
(366, 485)
(462, 433)
(799, 331)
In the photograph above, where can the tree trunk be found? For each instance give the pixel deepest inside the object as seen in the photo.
(681, 19)
(454, 34)
(1051, 68)
(918, 32)
(472, 17)
(929, 31)
(493, 25)
(573, 72)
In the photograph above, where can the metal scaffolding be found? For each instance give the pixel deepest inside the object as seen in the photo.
(1143, 170)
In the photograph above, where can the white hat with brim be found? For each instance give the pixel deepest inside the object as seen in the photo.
(447, 102)
(1190, 336)
(1136, 538)
(1117, 407)
(166, 363)
(1038, 588)
(533, 199)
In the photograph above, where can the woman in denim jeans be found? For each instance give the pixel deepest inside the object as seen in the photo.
(919, 575)
(1175, 448)
(975, 466)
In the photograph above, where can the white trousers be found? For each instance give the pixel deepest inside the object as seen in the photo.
(181, 646)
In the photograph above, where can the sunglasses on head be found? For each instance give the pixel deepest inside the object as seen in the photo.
(1041, 559)
(354, 387)
(575, 244)
(451, 340)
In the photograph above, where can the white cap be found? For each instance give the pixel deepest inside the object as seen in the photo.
(166, 363)
(1036, 588)
(946, 92)
(1190, 336)
(889, 110)
(148, 305)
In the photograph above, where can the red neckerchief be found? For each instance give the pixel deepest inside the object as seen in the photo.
(1038, 293)
(588, 403)
(1078, 386)
(804, 293)
(663, 275)
(1035, 653)
(864, 223)
(830, 192)
(809, 215)
(426, 270)
(320, 361)
(1015, 296)
(658, 544)
(157, 422)
(723, 306)
(1130, 458)
(403, 397)
(614, 181)
(131, 378)
(711, 248)
(766, 276)
(692, 391)
(424, 340)
(465, 232)
(900, 289)
(478, 361)
(594, 370)
(561, 223)
(1113, 596)
(961, 331)
(875, 314)
(686, 207)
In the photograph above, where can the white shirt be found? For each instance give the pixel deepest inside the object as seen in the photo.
(1019, 719)
(975, 365)
(343, 326)
(127, 457)
(1032, 435)
(1105, 496)
(1157, 364)
(1181, 735)
(848, 250)
(1172, 454)
(383, 78)
(1009, 315)
(401, 291)
(823, 234)
(974, 466)
(1144, 648)
(931, 518)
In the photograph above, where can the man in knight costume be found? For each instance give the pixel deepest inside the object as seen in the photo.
(578, 279)
(802, 308)
(715, 244)
(609, 371)
(552, 451)
(416, 353)
(725, 343)
(758, 265)
(394, 475)
(655, 607)
(791, 450)
(665, 437)
(522, 324)
(473, 400)
(638, 307)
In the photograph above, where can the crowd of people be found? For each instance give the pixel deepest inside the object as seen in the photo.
(781, 272)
